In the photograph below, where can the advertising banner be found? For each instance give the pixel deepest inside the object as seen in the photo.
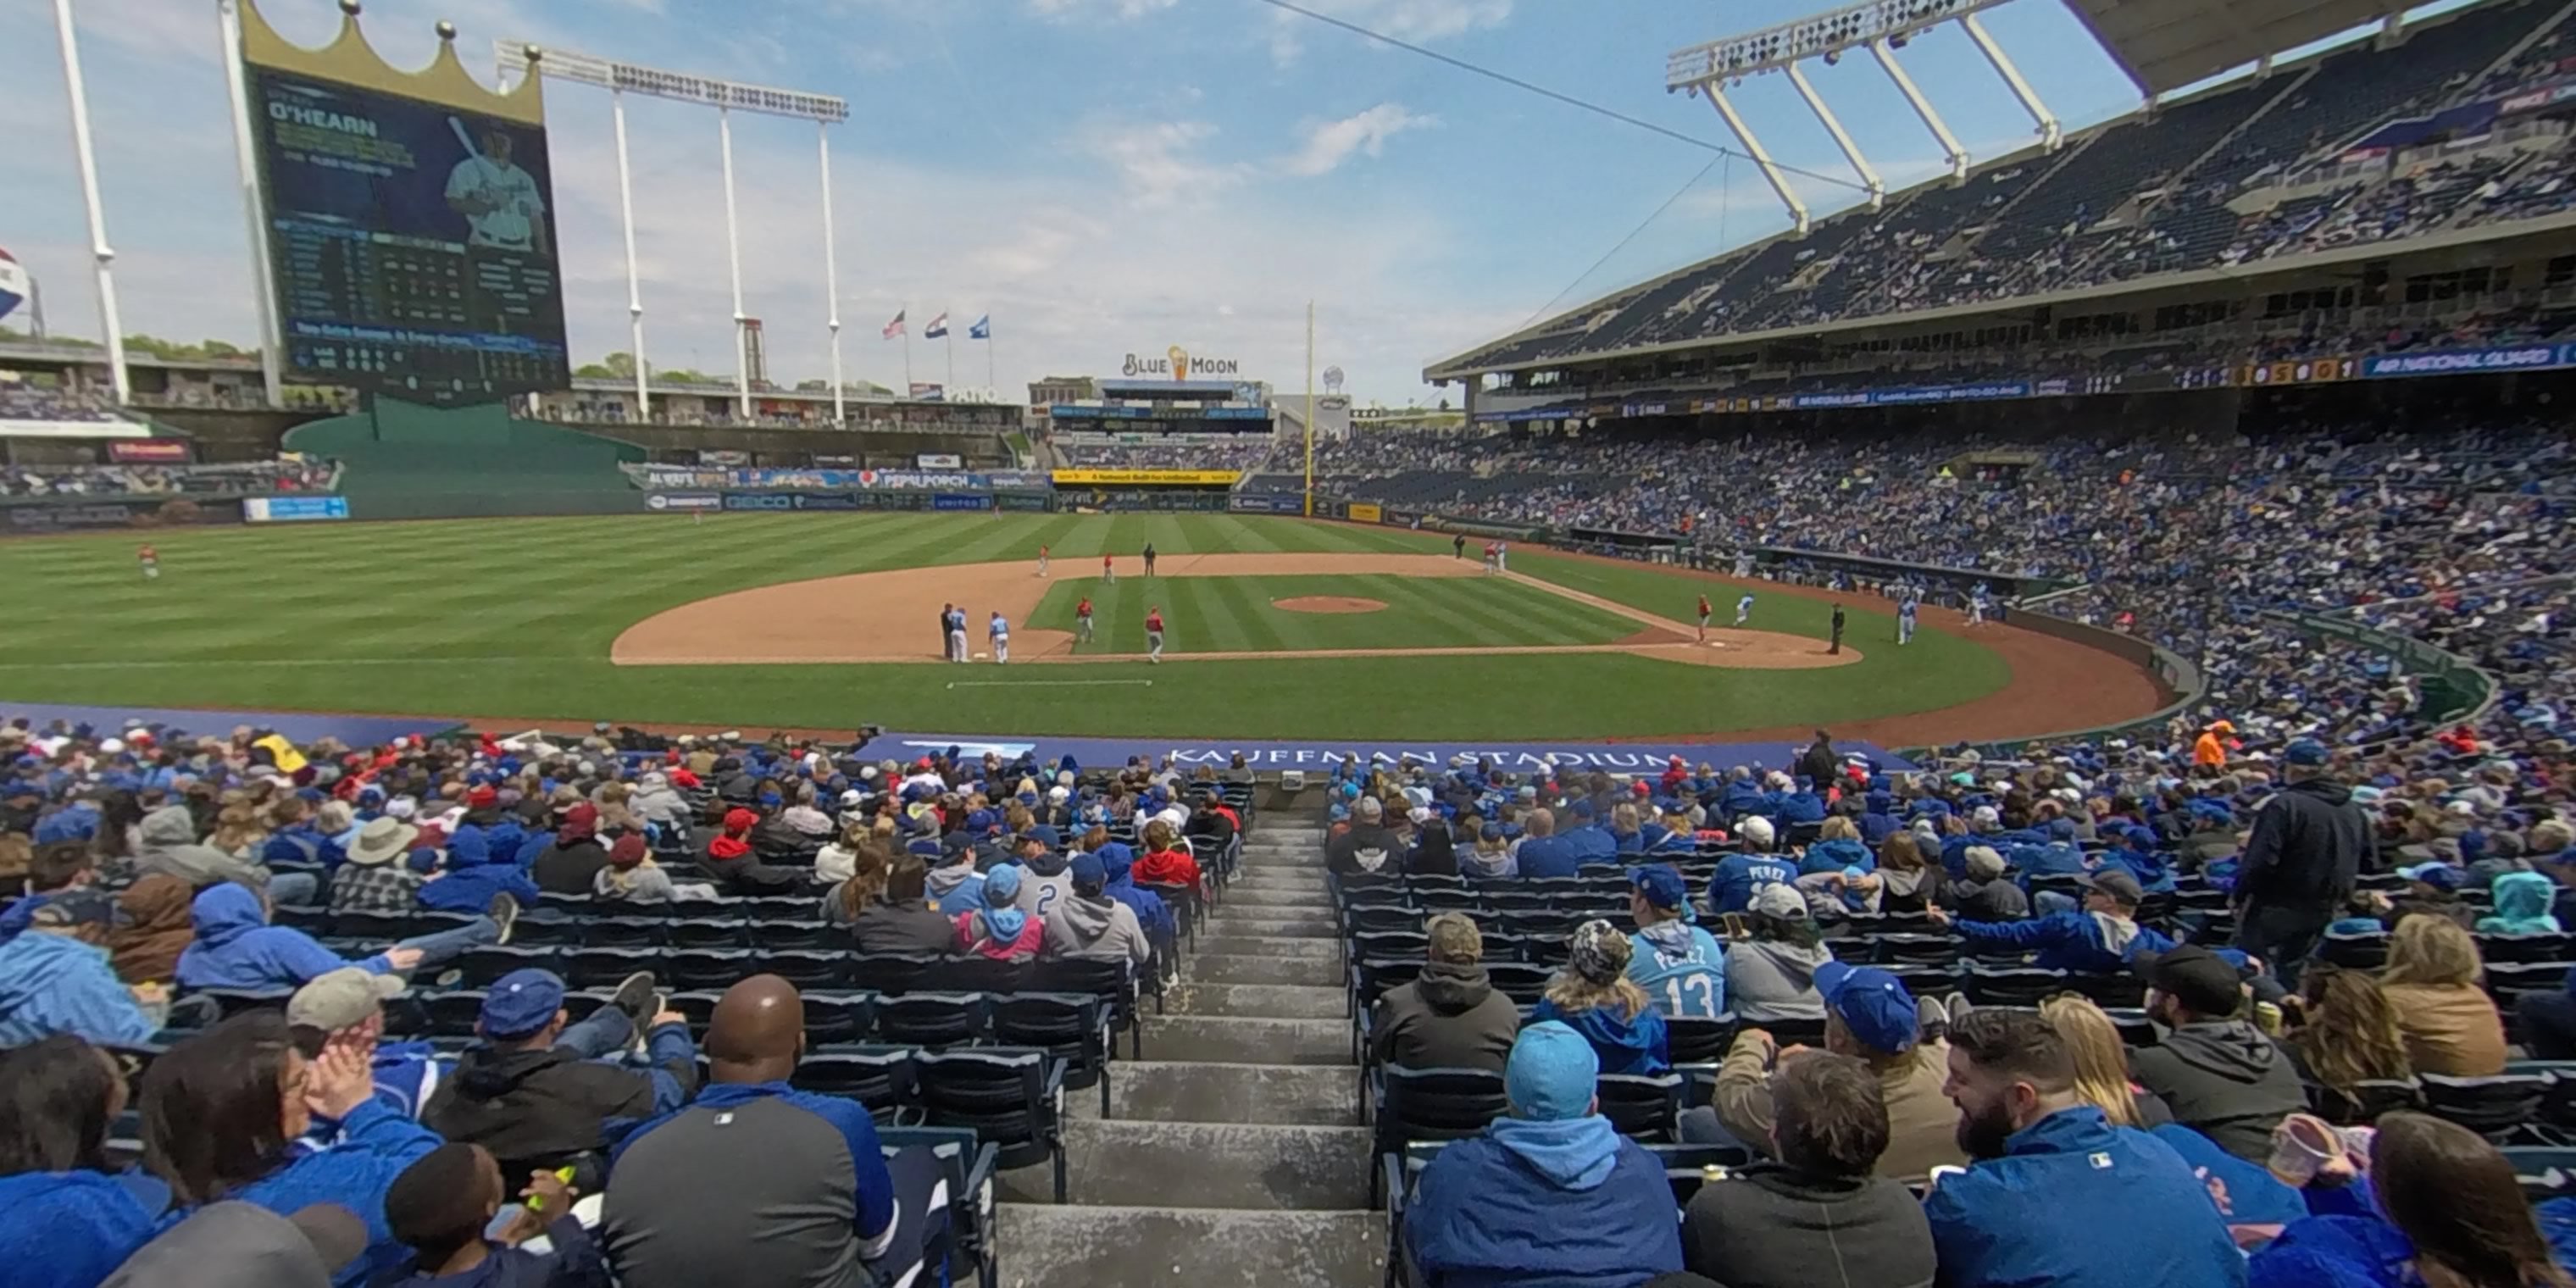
(148, 451)
(1267, 503)
(2442, 362)
(759, 501)
(958, 501)
(893, 500)
(816, 480)
(1023, 502)
(1025, 480)
(1363, 512)
(294, 509)
(824, 500)
(1636, 760)
(928, 392)
(938, 461)
(676, 502)
(116, 514)
(1146, 478)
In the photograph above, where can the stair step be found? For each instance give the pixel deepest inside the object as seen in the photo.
(1257, 921)
(1280, 878)
(1311, 898)
(1227, 968)
(1208, 1092)
(1243, 1039)
(1278, 946)
(1271, 1001)
(1043, 1245)
(1267, 1166)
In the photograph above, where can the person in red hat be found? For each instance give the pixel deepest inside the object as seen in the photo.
(737, 869)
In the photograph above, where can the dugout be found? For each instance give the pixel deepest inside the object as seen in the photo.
(1650, 547)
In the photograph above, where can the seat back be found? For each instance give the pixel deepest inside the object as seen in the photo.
(2492, 1107)
(885, 1079)
(999, 1093)
(1640, 1105)
(1436, 1104)
(1694, 1040)
(888, 972)
(933, 1020)
(2012, 985)
(972, 974)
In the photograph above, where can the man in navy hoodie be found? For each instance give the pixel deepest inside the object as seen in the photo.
(2124, 1210)
(2100, 939)
(1543, 853)
(1551, 1196)
(1591, 842)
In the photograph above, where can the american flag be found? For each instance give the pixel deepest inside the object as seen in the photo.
(895, 328)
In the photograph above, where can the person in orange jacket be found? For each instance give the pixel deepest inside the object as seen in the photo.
(2210, 750)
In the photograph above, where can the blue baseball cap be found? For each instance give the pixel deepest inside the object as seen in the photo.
(1872, 1004)
(1088, 872)
(2306, 752)
(522, 1003)
(1662, 886)
(1551, 1073)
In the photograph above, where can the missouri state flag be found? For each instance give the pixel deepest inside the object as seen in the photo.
(935, 328)
(895, 328)
(982, 329)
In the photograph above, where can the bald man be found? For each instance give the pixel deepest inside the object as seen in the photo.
(758, 1183)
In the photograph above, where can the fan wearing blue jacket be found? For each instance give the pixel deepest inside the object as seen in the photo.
(1594, 996)
(1837, 849)
(1551, 1196)
(1587, 839)
(2099, 940)
(1741, 876)
(1681, 966)
(56, 978)
(2123, 1210)
(237, 948)
(476, 874)
(218, 1111)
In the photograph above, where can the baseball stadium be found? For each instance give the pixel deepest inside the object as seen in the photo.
(1996, 724)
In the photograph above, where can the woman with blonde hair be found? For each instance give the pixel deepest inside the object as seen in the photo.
(2450, 1025)
(2348, 1031)
(1594, 996)
(238, 831)
(838, 858)
(2101, 1063)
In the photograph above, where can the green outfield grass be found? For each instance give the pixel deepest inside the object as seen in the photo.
(1240, 614)
(515, 617)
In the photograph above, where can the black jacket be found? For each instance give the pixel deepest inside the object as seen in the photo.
(1996, 900)
(562, 869)
(892, 928)
(535, 1108)
(2225, 1080)
(1367, 847)
(1435, 852)
(1820, 762)
(1450, 1018)
(2305, 850)
(1772, 1226)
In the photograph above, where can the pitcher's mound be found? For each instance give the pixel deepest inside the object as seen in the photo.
(1329, 604)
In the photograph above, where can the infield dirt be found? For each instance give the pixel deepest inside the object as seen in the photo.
(876, 617)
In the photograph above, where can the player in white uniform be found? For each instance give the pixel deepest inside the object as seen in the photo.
(1744, 610)
(1001, 632)
(1905, 619)
(499, 200)
(1977, 605)
(957, 635)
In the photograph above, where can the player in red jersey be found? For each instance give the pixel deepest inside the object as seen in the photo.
(1154, 634)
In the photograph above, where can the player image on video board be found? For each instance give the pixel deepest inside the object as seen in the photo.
(413, 242)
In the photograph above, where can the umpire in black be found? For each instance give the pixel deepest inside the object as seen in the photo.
(1837, 646)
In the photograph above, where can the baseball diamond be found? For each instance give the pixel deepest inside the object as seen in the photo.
(820, 621)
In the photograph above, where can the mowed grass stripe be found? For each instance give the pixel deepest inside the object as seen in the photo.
(1262, 627)
(1463, 601)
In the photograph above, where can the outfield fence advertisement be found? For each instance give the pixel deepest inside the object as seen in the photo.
(751, 479)
(118, 514)
(1363, 512)
(1146, 478)
(680, 502)
(294, 509)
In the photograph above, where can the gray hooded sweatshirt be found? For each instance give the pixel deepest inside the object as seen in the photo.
(1097, 929)
(1768, 980)
(167, 842)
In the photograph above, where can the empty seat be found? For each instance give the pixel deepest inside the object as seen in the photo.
(1072, 1027)
(1415, 1105)
(885, 1079)
(804, 969)
(1699, 1041)
(716, 933)
(480, 967)
(621, 932)
(972, 974)
(2012, 985)
(1007, 1096)
(2492, 1107)
(887, 972)
(1523, 982)
(1639, 1105)
(832, 1018)
(707, 970)
(927, 1019)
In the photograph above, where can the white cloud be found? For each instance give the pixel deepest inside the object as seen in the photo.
(1418, 21)
(1158, 162)
(1125, 10)
(1329, 143)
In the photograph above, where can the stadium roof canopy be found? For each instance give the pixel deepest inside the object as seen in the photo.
(2167, 44)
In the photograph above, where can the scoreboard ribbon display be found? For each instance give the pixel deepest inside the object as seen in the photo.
(1146, 478)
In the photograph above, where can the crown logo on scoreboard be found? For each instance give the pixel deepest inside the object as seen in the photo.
(351, 60)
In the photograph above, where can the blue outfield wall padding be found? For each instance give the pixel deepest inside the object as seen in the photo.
(296, 726)
(1271, 757)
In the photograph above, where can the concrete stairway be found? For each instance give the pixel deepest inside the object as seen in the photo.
(1233, 1156)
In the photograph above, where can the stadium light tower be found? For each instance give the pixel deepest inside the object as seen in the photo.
(724, 96)
(1880, 26)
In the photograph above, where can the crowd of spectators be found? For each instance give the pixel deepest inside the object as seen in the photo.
(253, 478)
(174, 887)
(1197, 452)
(24, 401)
(2220, 883)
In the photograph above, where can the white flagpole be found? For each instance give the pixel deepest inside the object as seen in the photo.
(831, 272)
(634, 284)
(948, 341)
(100, 252)
(733, 265)
(988, 358)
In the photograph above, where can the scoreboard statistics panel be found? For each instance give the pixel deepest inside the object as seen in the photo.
(412, 242)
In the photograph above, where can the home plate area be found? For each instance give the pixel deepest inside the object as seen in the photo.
(1213, 607)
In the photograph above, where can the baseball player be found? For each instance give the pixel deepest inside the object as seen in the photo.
(1905, 610)
(1743, 563)
(1082, 621)
(1703, 619)
(1491, 558)
(150, 559)
(1154, 634)
(1502, 556)
(1744, 609)
(1458, 546)
(1109, 570)
(956, 634)
(1001, 632)
(1042, 561)
(1977, 605)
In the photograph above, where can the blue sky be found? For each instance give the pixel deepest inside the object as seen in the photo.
(1102, 176)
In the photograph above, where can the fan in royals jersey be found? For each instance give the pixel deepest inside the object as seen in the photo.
(1680, 966)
